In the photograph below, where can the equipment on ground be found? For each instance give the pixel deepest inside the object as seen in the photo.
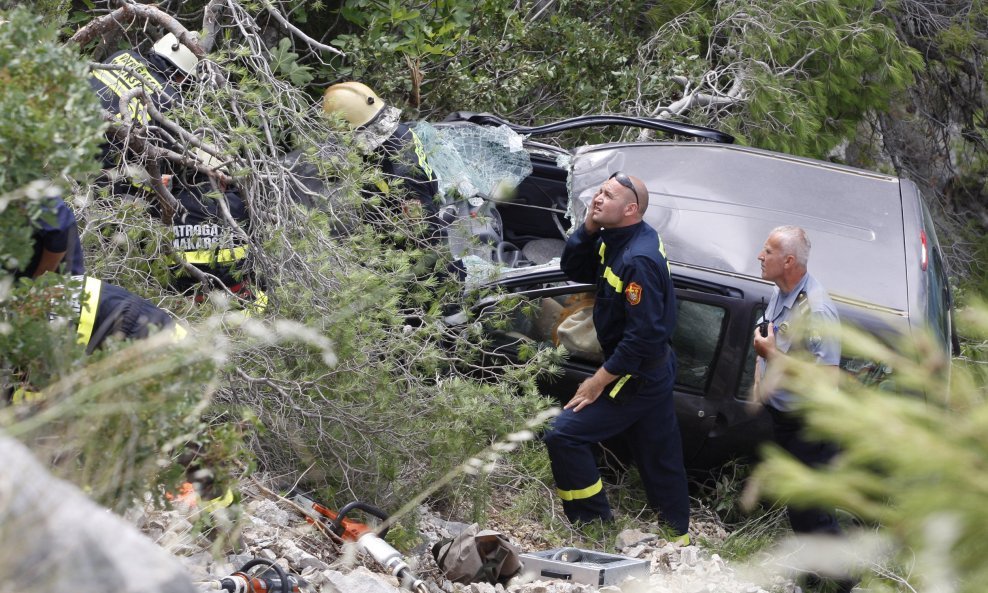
(582, 566)
(365, 537)
(271, 579)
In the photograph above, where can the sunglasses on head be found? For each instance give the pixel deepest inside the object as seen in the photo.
(626, 182)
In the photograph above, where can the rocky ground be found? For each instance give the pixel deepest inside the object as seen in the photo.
(274, 530)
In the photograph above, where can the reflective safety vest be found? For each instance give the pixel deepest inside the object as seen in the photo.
(135, 72)
(201, 236)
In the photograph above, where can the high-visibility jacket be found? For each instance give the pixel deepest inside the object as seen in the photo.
(635, 307)
(203, 238)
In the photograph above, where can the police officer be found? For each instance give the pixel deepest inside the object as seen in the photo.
(631, 393)
(800, 318)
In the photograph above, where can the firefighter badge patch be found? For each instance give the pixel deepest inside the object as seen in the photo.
(633, 293)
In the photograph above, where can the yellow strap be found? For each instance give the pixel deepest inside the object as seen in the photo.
(581, 494)
(88, 303)
(613, 279)
(617, 386)
(221, 256)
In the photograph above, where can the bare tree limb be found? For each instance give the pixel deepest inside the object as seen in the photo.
(126, 14)
(298, 33)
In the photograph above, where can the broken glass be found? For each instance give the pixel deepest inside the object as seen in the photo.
(475, 160)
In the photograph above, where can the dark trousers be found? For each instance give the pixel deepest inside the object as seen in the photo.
(648, 420)
(789, 434)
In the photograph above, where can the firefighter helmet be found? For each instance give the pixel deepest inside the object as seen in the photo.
(169, 48)
(355, 101)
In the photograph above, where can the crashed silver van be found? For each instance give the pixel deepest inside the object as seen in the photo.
(714, 203)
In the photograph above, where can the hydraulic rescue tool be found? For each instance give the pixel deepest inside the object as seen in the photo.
(270, 579)
(365, 537)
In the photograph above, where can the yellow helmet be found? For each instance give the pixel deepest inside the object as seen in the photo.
(355, 101)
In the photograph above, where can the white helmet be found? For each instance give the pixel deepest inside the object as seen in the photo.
(180, 56)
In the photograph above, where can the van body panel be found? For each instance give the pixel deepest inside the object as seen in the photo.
(714, 205)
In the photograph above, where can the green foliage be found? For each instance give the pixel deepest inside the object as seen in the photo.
(52, 122)
(912, 465)
(114, 426)
(50, 129)
(285, 62)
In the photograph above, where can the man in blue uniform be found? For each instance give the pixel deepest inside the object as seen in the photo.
(106, 310)
(800, 318)
(379, 131)
(631, 393)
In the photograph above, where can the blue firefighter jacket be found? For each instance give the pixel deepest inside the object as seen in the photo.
(635, 308)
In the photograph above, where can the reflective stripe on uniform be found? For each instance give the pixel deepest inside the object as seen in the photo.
(420, 153)
(613, 279)
(662, 250)
(222, 256)
(601, 251)
(89, 302)
(22, 395)
(582, 493)
(617, 386)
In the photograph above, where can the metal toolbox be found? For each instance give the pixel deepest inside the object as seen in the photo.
(582, 566)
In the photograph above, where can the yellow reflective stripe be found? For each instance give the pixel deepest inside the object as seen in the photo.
(613, 279)
(222, 256)
(582, 493)
(89, 302)
(260, 302)
(22, 395)
(662, 250)
(420, 153)
(617, 386)
(118, 85)
(601, 251)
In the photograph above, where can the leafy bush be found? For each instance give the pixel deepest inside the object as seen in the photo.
(912, 465)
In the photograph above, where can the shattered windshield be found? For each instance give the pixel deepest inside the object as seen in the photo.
(475, 160)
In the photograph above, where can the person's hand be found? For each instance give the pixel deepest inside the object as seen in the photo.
(588, 224)
(586, 394)
(765, 346)
(588, 391)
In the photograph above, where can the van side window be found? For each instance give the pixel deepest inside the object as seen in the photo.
(748, 373)
(698, 333)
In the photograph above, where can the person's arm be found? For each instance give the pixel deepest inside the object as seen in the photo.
(579, 261)
(48, 263)
(56, 230)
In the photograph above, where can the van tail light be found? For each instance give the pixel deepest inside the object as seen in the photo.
(924, 257)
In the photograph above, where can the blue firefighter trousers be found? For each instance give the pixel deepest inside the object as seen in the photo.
(648, 421)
